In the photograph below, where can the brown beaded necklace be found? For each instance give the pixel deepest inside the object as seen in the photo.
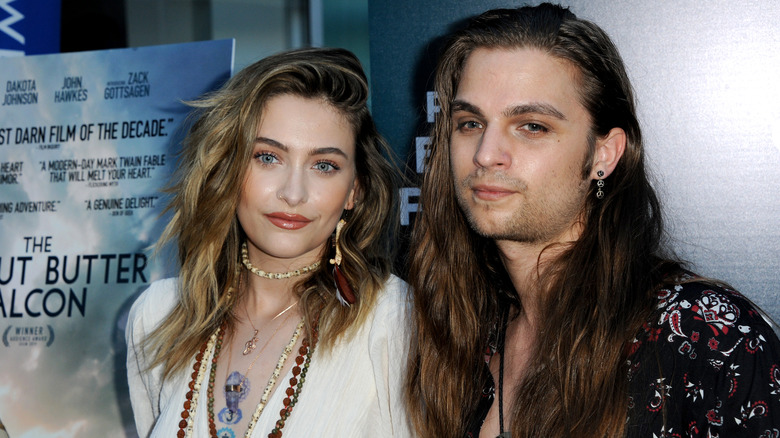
(296, 383)
(191, 398)
(299, 371)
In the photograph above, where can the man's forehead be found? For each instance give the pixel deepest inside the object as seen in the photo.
(511, 80)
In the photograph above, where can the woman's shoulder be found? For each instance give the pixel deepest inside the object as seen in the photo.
(155, 303)
(395, 286)
(389, 311)
(393, 296)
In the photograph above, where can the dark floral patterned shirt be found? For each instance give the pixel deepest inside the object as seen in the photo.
(707, 361)
(710, 361)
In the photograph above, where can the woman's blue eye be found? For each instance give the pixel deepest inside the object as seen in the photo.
(266, 158)
(325, 167)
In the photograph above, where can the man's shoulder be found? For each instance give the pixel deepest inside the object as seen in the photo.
(698, 312)
(701, 301)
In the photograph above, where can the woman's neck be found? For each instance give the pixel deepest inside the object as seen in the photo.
(264, 298)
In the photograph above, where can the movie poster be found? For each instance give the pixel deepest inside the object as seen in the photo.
(86, 142)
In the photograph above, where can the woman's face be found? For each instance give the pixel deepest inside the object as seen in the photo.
(300, 179)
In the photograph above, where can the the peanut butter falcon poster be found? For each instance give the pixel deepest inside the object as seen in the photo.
(86, 142)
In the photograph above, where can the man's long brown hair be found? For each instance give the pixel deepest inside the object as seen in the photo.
(597, 291)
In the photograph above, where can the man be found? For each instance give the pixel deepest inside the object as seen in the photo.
(545, 304)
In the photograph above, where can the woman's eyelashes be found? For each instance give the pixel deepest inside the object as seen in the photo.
(266, 158)
(326, 166)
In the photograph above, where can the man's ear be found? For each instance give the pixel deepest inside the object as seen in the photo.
(609, 150)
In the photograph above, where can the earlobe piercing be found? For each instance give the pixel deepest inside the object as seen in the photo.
(600, 185)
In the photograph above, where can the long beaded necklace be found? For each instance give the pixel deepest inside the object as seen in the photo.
(214, 343)
(199, 370)
(296, 382)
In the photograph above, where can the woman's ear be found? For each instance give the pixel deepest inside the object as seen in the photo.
(609, 150)
(354, 196)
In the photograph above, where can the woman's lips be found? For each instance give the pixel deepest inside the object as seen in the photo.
(288, 221)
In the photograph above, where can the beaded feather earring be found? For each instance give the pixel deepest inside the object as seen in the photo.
(345, 294)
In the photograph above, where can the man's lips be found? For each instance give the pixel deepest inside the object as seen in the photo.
(288, 221)
(490, 192)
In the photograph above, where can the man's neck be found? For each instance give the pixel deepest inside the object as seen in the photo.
(524, 263)
(521, 261)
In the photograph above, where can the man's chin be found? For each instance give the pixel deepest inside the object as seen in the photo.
(488, 228)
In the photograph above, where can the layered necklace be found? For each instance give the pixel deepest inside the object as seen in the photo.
(213, 346)
(209, 353)
(252, 343)
(233, 392)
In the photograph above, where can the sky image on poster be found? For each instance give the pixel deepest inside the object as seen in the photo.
(87, 140)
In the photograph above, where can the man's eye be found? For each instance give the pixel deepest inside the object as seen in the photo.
(535, 127)
(469, 125)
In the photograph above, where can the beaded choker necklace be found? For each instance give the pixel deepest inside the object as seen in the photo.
(274, 275)
(214, 343)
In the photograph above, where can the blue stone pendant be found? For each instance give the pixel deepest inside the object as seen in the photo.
(232, 395)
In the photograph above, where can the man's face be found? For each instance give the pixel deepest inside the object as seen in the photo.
(518, 144)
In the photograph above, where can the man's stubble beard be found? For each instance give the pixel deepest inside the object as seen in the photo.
(535, 221)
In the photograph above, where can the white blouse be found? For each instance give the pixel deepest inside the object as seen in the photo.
(353, 390)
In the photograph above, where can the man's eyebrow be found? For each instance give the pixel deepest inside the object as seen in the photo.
(534, 108)
(317, 151)
(462, 105)
(514, 111)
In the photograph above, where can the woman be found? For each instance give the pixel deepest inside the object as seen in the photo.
(285, 316)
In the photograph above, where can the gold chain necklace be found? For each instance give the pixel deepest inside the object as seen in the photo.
(252, 343)
(233, 392)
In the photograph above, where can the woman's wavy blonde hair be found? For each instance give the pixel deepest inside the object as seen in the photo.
(205, 195)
